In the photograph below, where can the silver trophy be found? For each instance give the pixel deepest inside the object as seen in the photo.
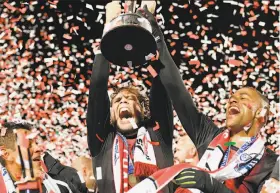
(128, 39)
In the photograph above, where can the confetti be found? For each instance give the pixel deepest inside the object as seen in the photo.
(133, 123)
(152, 71)
(100, 6)
(89, 6)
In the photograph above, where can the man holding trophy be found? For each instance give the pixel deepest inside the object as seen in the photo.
(129, 139)
(126, 150)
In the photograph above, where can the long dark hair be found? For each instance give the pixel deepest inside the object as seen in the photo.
(143, 100)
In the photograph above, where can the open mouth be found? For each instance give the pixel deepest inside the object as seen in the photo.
(233, 110)
(36, 159)
(125, 113)
(176, 161)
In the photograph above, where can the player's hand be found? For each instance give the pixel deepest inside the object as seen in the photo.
(144, 12)
(192, 178)
(151, 5)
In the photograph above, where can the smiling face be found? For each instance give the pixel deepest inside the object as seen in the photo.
(126, 106)
(242, 108)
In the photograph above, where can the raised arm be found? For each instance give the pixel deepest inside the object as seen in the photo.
(98, 112)
(161, 110)
(196, 124)
(160, 103)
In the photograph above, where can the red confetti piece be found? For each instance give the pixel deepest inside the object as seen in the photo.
(194, 62)
(67, 36)
(193, 36)
(235, 62)
(12, 8)
(148, 82)
(152, 71)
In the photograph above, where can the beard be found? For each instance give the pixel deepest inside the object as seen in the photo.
(128, 133)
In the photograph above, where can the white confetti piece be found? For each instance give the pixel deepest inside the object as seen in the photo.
(70, 17)
(78, 18)
(202, 9)
(100, 6)
(261, 23)
(198, 89)
(50, 20)
(89, 6)
(133, 123)
(197, 4)
(48, 59)
(212, 15)
(12, 95)
(159, 9)
(99, 17)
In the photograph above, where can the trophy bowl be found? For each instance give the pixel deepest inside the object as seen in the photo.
(128, 40)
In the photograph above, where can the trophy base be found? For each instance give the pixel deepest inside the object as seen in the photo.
(128, 45)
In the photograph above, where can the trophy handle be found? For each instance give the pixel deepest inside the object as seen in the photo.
(131, 4)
